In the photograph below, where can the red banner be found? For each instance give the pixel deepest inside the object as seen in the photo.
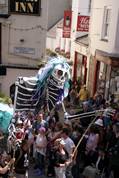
(83, 23)
(67, 24)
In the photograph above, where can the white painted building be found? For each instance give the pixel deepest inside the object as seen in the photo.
(80, 41)
(104, 26)
(23, 36)
(68, 45)
(56, 10)
(104, 47)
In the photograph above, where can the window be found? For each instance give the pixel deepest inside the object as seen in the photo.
(106, 23)
(89, 7)
(2, 2)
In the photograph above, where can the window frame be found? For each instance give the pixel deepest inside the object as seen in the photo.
(2, 2)
(106, 23)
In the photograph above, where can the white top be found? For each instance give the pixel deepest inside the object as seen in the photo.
(92, 142)
(41, 141)
(69, 145)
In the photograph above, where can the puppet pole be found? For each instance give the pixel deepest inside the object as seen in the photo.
(15, 98)
(11, 174)
(75, 150)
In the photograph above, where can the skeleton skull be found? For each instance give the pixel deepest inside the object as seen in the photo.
(60, 73)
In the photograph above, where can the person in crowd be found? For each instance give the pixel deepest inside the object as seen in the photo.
(110, 137)
(39, 122)
(40, 144)
(21, 159)
(77, 133)
(69, 146)
(86, 106)
(2, 144)
(19, 130)
(5, 165)
(67, 124)
(56, 115)
(98, 100)
(83, 94)
(114, 153)
(70, 86)
(92, 144)
(73, 94)
(101, 130)
(98, 167)
(60, 159)
(54, 132)
(51, 133)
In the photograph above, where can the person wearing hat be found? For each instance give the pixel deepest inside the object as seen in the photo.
(61, 158)
(83, 94)
(99, 122)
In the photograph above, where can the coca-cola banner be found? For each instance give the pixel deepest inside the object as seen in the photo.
(67, 24)
(83, 23)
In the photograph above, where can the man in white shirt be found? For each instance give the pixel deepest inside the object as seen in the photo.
(69, 146)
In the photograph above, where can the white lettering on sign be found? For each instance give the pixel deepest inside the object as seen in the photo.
(83, 23)
(24, 7)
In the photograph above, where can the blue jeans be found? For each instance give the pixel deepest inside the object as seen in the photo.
(39, 158)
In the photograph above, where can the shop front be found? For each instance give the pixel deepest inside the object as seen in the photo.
(81, 60)
(106, 75)
(80, 68)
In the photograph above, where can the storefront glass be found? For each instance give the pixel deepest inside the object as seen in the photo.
(107, 80)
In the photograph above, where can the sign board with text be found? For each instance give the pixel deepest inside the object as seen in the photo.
(24, 50)
(83, 23)
(67, 24)
(28, 7)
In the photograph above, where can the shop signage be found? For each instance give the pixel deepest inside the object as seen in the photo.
(67, 24)
(23, 50)
(83, 23)
(29, 7)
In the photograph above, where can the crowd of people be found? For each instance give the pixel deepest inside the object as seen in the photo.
(51, 143)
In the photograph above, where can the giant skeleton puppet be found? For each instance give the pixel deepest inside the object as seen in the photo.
(47, 88)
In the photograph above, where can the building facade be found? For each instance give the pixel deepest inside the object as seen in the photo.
(56, 10)
(104, 48)
(64, 38)
(80, 40)
(23, 29)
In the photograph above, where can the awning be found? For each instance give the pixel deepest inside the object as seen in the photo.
(108, 58)
(84, 40)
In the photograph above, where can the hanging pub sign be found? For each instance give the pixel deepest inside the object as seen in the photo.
(67, 24)
(83, 23)
(28, 7)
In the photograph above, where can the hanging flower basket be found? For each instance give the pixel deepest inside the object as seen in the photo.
(57, 49)
(68, 55)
